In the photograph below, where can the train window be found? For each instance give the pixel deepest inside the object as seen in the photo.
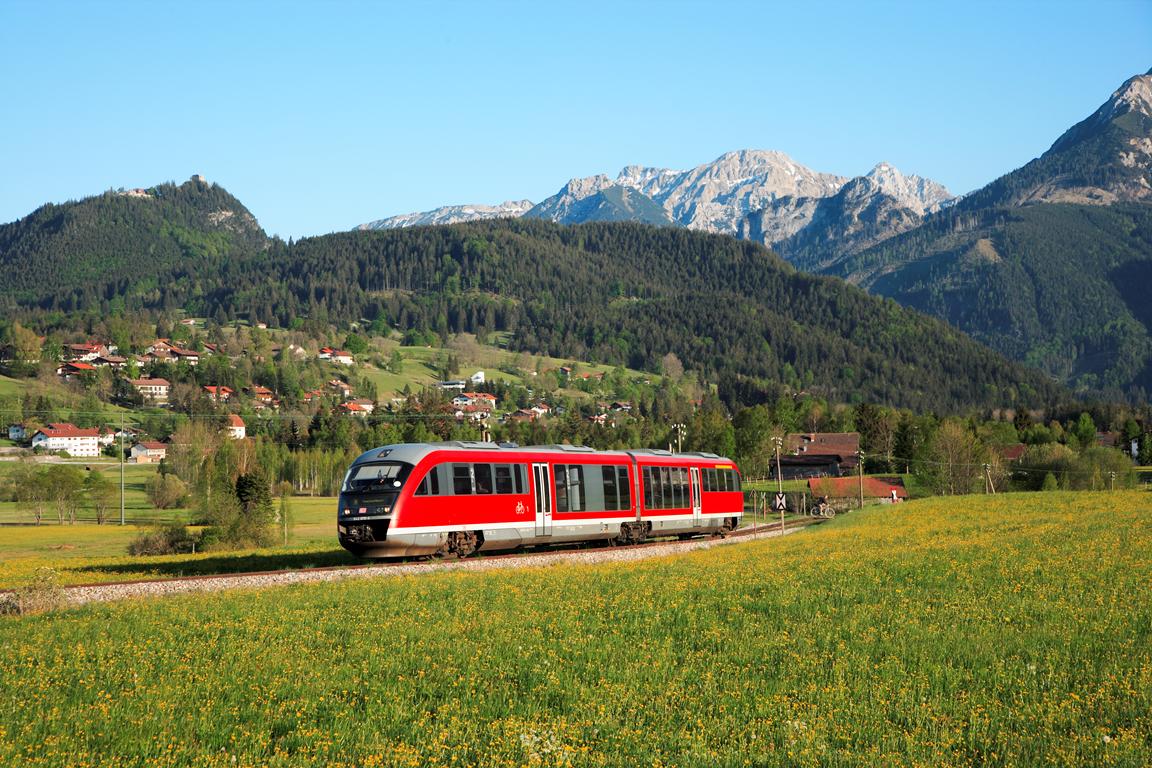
(430, 485)
(570, 488)
(462, 479)
(680, 487)
(649, 502)
(576, 499)
(374, 477)
(560, 486)
(615, 486)
(735, 478)
(483, 475)
(667, 500)
(504, 482)
(709, 479)
(611, 495)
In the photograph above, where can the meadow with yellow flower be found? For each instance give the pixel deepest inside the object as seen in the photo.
(999, 630)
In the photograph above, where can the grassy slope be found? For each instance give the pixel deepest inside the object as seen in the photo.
(982, 630)
(9, 386)
(420, 368)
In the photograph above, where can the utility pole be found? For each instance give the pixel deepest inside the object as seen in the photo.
(989, 486)
(860, 464)
(1112, 480)
(121, 468)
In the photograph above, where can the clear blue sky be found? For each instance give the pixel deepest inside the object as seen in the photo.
(323, 116)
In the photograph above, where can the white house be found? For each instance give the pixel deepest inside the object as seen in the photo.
(67, 437)
(477, 378)
(17, 432)
(148, 453)
(237, 430)
(152, 390)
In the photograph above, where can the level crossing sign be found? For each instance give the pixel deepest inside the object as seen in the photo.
(780, 503)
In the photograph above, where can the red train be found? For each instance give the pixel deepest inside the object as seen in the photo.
(461, 497)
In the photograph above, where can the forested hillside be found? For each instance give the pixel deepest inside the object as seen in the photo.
(114, 247)
(1050, 264)
(613, 293)
(1063, 287)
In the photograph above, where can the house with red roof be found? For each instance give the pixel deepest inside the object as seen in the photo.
(219, 394)
(68, 370)
(55, 438)
(149, 452)
(353, 409)
(237, 429)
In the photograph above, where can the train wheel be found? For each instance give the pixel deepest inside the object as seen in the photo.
(459, 544)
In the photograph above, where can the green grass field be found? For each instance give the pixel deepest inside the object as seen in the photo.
(87, 553)
(1011, 630)
(137, 507)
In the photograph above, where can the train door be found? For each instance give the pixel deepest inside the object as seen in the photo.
(543, 500)
(697, 496)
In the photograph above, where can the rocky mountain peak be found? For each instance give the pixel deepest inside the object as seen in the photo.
(917, 193)
(1135, 95)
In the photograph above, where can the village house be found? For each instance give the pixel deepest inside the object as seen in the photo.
(818, 454)
(54, 438)
(148, 452)
(87, 352)
(261, 394)
(219, 394)
(522, 415)
(152, 390)
(187, 355)
(237, 430)
(352, 409)
(17, 432)
(478, 399)
(70, 370)
(110, 361)
(344, 388)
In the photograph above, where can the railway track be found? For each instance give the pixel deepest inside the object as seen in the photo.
(80, 594)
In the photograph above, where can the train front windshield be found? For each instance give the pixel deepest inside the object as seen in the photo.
(383, 476)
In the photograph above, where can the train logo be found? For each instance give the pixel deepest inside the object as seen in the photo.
(520, 508)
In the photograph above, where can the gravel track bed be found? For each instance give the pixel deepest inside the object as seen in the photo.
(98, 593)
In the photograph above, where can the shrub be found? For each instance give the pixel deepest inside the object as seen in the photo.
(167, 491)
(165, 540)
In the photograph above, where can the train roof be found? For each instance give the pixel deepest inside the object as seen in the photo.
(412, 453)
